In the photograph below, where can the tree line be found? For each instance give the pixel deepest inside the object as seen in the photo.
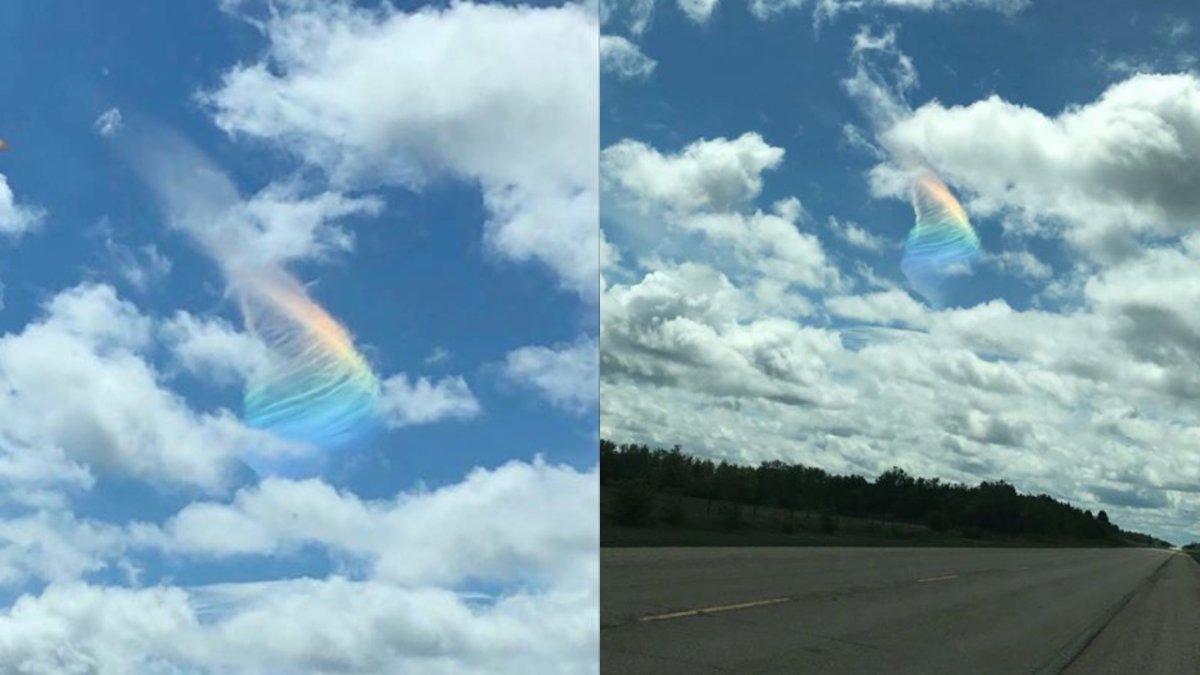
(640, 472)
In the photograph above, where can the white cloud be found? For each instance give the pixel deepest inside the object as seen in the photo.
(281, 223)
(1178, 29)
(827, 9)
(39, 477)
(1102, 174)
(78, 380)
(443, 537)
(438, 355)
(109, 122)
(856, 236)
(708, 188)
(1023, 263)
(285, 226)
(679, 327)
(775, 245)
(1088, 395)
(883, 76)
(708, 175)
(638, 14)
(140, 266)
(350, 90)
(214, 348)
(80, 628)
(251, 240)
(423, 401)
(1078, 402)
(16, 219)
(567, 376)
(698, 11)
(1041, 398)
(53, 546)
(80, 391)
(886, 307)
(148, 267)
(402, 616)
(623, 58)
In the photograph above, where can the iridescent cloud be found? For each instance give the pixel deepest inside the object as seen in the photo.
(942, 244)
(317, 388)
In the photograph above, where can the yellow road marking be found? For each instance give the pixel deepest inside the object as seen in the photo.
(942, 578)
(714, 610)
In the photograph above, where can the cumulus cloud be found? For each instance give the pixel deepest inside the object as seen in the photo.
(79, 380)
(16, 219)
(401, 614)
(709, 175)
(567, 376)
(53, 546)
(883, 308)
(423, 401)
(1084, 392)
(699, 11)
(678, 327)
(708, 189)
(214, 348)
(444, 536)
(349, 90)
(1021, 263)
(1101, 174)
(382, 628)
(469, 577)
(965, 394)
(701, 349)
(39, 477)
(623, 58)
(856, 236)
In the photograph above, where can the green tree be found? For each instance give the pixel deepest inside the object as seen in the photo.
(635, 504)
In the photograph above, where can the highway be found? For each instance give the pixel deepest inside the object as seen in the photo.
(919, 611)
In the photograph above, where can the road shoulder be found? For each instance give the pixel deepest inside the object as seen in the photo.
(1155, 633)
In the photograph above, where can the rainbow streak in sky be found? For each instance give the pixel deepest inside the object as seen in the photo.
(317, 389)
(942, 244)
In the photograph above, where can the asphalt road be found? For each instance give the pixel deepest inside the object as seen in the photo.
(1157, 633)
(925, 611)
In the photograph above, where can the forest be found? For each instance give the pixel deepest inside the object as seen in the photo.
(639, 475)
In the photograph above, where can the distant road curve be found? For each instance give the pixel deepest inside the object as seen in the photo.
(918, 611)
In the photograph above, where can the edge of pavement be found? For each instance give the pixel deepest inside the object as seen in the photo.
(1070, 651)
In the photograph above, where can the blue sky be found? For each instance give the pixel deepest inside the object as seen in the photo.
(419, 280)
(1062, 362)
(460, 258)
(709, 82)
